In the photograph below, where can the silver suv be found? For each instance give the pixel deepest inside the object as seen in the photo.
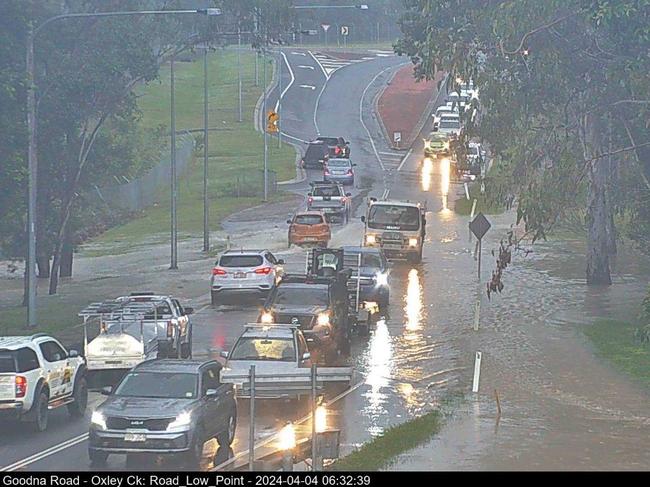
(245, 272)
(37, 374)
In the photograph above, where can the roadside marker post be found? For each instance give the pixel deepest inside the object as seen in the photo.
(477, 314)
(251, 432)
(477, 372)
(471, 217)
(466, 191)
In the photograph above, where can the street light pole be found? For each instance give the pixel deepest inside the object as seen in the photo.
(239, 70)
(266, 143)
(279, 96)
(32, 125)
(174, 229)
(206, 232)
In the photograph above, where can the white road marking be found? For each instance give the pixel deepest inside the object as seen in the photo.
(284, 134)
(45, 453)
(405, 158)
(311, 87)
(385, 194)
(293, 78)
(318, 62)
(305, 67)
(396, 154)
(298, 53)
(321, 90)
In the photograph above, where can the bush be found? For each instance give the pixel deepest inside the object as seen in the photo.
(642, 333)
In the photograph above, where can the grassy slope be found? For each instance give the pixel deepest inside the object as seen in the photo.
(614, 340)
(234, 149)
(383, 449)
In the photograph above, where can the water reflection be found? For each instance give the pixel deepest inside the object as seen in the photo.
(445, 168)
(426, 174)
(379, 358)
(413, 309)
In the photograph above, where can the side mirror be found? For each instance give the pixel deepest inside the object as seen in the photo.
(281, 261)
(223, 354)
(188, 310)
(106, 391)
(348, 194)
(310, 194)
(73, 354)
(211, 393)
(353, 165)
(306, 356)
(288, 222)
(363, 219)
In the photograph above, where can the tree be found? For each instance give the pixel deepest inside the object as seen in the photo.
(553, 78)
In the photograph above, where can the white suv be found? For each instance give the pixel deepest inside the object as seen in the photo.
(37, 374)
(245, 272)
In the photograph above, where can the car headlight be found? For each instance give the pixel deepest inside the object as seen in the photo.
(381, 279)
(370, 239)
(323, 319)
(98, 419)
(182, 420)
(266, 317)
(413, 242)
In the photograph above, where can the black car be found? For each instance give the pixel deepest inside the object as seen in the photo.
(373, 274)
(338, 146)
(316, 155)
(319, 305)
(164, 406)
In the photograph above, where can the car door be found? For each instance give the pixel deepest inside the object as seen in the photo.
(57, 368)
(214, 407)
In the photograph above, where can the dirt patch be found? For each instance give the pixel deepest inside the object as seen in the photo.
(403, 102)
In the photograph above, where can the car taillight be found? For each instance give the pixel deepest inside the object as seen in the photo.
(218, 272)
(263, 270)
(310, 200)
(21, 386)
(170, 328)
(326, 171)
(350, 172)
(337, 150)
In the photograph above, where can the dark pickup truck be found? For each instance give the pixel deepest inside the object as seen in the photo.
(330, 199)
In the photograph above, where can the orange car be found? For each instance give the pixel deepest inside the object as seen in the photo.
(309, 227)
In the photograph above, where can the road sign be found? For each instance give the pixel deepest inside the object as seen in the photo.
(325, 26)
(397, 136)
(272, 119)
(345, 30)
(479, 226)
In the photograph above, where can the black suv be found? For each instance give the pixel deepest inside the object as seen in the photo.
(338, 146)
(164, 406)
(316, 155)
(320, 305)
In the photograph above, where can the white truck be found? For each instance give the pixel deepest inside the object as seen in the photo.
(396, 227)
(132, 329)
(38, 374)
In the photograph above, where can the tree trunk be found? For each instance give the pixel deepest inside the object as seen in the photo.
(43, 264)
(67, 255)
(597, 215)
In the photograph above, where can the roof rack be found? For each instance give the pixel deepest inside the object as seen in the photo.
(241, 250)
(37, 335)
(270, 326)
(146, 293)
(121, 310)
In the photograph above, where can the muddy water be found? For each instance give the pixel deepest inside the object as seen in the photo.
(563, 408)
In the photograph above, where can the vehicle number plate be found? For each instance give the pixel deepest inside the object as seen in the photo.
(392, 246)
(135, 437)
(310, 239)
(239, 275)
(7, 387)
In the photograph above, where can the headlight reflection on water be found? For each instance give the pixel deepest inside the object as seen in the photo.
(379, 364)
(445, 168)
(414, 308)
(427, 173)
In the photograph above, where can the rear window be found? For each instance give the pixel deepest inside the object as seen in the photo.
(308, 220)
(450, 124)
(21, 360)
(240, 260)
(329, 140)
(326, 191)
(338, 163)
(315, 151)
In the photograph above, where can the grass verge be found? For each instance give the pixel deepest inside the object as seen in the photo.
(614, 341)
(383, 449)
(235, 151)
(463, 206)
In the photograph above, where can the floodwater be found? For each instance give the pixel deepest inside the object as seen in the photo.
(562, 407)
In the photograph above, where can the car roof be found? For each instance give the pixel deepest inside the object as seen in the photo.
(19, 341)
(245, 252)
(345, 159)
(361, 250)
(173, 365)
(309, 212)
(396, 203)
(317, 142)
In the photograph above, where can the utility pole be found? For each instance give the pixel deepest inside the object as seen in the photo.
(266, 142)
(279, 96)
(239, 69)
(32, 163)
(174, 229)
(206, 231)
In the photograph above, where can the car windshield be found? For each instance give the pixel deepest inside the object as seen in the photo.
(278, 349)
(326, 191)
(308, 295)
(338, 163)
(164, 385)
(240, 260)
(308, 219)
(449, 123)
(473, 150)
(394, 217)
(369, 260)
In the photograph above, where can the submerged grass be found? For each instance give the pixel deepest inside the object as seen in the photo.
(614, 341)
(383, 449)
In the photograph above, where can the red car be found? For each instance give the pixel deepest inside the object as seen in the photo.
(309, 227)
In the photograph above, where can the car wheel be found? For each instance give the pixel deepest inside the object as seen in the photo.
(41, 412)
(77, 408)
(186, 348)
(97, 458)
(195, 453)
(225, 438)
(214, 298)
